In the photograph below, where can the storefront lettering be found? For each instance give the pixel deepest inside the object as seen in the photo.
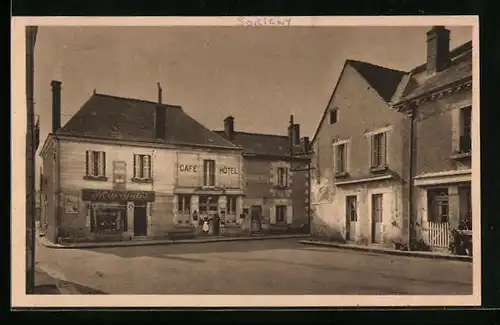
(115, 196)
(188, 168)
(228, 170)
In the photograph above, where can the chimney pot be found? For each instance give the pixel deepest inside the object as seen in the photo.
(438, 49)
(229, 127)
(56, 105)
(160, 93)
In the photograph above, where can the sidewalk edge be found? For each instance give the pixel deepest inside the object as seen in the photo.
(388, 252)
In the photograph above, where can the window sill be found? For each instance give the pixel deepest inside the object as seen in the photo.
(378, 169)
(141, 180)
(95, 178)
(341, 174)
(461, 155)
(278, 187)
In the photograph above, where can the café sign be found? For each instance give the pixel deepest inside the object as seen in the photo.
(117, 196)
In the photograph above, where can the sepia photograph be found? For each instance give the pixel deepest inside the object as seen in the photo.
(239, 161)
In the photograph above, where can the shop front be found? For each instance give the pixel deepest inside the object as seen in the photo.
(113, 214)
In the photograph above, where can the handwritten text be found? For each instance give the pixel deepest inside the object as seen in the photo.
(264, 21)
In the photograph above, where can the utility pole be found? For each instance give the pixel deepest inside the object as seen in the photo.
(31, 142)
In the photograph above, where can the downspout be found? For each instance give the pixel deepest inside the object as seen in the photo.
(410, 175)
(309, 178)
(59, 205)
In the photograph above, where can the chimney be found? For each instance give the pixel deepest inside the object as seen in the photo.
(305, 144)
(229, 127)
(438, 49)
(160, 91)
(294, 132)
(160, 121)
(56, 105)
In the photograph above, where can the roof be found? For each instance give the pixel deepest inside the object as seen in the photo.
(383, 80)
(460, 68)
(118, 118)
(261, 144)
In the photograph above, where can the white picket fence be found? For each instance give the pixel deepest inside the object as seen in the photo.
(438, 234)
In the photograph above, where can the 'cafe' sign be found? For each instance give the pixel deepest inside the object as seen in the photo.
(225, 170)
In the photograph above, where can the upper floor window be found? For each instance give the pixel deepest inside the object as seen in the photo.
(340, 162)
(465, 132)
(142, 167)
(95, 165)
(333, 115)
(379, 150)
(208, 172)
(282, 177)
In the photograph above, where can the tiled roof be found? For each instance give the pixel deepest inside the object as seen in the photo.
(385, 81)
(262, 144)
(459, 69)
(118, 118)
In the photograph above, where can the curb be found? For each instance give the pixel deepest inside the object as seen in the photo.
(388, 251)
(167, 242)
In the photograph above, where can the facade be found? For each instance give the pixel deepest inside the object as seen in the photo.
(124, 168)
(275, 178)
(359, 157)
(393, 151)
(438, 96)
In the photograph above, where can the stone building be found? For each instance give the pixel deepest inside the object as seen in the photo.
(125, 168)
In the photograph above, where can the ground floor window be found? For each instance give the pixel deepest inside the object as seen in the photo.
(465, 195)
(184, 204)
(438, 205)
(208, 204)
(281, 214)
(108, 218)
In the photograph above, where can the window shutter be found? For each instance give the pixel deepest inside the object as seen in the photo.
(205, 173)
(373, 151)
(137, 166)
(384, 149)
(99, 163)
(103, 163)
(289, 214)
(212, 173)
(175, 203)
(87, 162)
(87, 213)
(91, 163)
(147, 167)
(272, 215)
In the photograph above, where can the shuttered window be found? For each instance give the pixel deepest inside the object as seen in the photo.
(95, 164)
(209, 172)
(142, 166)
(379, 150)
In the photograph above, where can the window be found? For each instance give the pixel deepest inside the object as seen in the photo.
(378, 150)
(281, 214)
(108, 218)
(351, 208)
(377, 208)
(142, 167)
(208, 204)
(184, 204)
(340, 158)
(465, 132)
(438, 205)
(465, 195)
(231, 205)
(209, 173)
(333, 115)
(95, 164)
(282, 177)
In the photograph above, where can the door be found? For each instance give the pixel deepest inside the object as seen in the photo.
(377, 212)
(140, 220)
(351, 217)
(256, 216)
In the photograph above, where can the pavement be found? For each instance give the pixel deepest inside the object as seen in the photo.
(154, 242)
(383, 250)
(281, 266)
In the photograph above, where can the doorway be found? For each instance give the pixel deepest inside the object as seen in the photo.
(256, 216)
(351, 217)
(377, 213)
(140, 220)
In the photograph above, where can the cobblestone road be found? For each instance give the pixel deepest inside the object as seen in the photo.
(254, 267)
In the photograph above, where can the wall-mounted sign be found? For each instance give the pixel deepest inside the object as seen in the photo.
(227, 170)
(117, 196)
(119, 174)
(186, 168)
(71, 204)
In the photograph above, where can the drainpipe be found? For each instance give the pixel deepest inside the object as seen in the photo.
(411, 115)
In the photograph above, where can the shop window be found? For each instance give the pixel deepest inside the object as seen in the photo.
(208, 204)
(281, 214)
(108, 218)
(184, 204)
(351, 208)
(231, 205)
(95, 164)
(209, 172)
(282, 177)
(142, 167)
(439, 208)
(378, 150)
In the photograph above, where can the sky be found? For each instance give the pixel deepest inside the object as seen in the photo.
(258, 75)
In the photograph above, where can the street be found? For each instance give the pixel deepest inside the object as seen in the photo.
(280, 266)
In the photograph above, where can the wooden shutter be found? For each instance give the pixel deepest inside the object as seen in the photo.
(373, 149)
(384, 148)
(205, 172)
(91, 166)
(103, 163)
(272, 215)
(175, 202)
(212, 172)
(99, 163)
(289, 214)
(146, 166)
(137, 166)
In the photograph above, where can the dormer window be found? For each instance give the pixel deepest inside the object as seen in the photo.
(333, 115)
